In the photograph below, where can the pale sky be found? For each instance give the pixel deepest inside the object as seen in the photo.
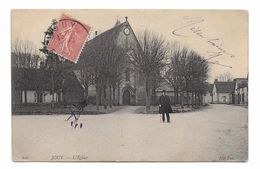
(230, 27)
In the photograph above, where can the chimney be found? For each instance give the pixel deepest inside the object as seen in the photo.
(96, 33)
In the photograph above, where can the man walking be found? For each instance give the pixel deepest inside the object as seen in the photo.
(165, 106)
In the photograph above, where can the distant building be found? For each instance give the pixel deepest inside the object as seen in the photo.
(164, 85)
(224, 92)
(241, 91)
(34, 86)
(208, 96)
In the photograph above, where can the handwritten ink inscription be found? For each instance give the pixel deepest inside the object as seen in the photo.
(75, 115)
(74, 119)
(192, 25)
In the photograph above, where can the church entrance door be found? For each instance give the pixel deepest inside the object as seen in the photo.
(126, 97)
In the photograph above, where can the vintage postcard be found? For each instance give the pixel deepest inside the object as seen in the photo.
(129, 85)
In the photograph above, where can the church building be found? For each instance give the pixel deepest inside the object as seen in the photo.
(131, 90)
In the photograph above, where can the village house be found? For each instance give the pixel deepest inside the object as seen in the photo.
(34, 86)
(241, 91)
(208, 96)
(223, 92)
(164, 85)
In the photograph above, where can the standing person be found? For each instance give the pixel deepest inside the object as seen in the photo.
(165, 106)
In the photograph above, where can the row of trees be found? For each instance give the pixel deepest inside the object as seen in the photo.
(25, 54)
(187, 73)
(154, 59)
(183, 68)
(224, 77)
(104, 65)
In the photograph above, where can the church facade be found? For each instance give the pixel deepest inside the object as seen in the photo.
(131, 90)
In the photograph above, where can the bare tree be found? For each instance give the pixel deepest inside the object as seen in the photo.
(177, 73)
(25, 55)
(187, 72)
(116, 70)
(149, 60)
(224, 77)
(199, 75)
(105, 68)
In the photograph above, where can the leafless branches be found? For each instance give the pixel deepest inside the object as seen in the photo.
(105, 63)
(150, 60)
(187, 72)
(224, 77)
(25, 54)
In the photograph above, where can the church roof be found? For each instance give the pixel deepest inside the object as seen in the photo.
(101, 42)
(105, 42)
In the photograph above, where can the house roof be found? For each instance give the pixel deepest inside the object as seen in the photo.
(30, 79)
(225, 87)
(241, 82)
(240, 79)
(242, 85)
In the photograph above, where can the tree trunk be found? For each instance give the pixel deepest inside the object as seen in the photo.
(86, 93)
(195, 96)
(177, 95)
(59, 97)
(148, 101)
(114, 95)
(25, 97)
(188, 99)
(104, 97)
(110, 96)
(192, 99)
(118, 93)
(200, 99)
(182, 99)
(97, 97)
(148, 94)
(52, 101)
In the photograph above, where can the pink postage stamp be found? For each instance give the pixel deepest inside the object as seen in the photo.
(69, 38)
